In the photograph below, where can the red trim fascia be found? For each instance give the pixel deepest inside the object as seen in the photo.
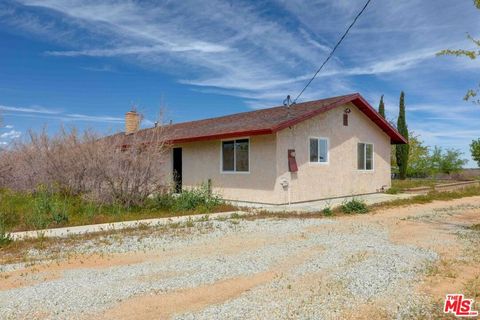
(309, 115)
(363, 105)
(223, 136)
(380, 121)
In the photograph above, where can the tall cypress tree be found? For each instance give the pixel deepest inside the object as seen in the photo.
(381, 107)
(402, 150)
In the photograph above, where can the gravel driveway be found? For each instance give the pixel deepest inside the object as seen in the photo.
(238, 269)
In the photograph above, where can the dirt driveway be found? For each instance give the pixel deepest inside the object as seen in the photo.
(395, 263)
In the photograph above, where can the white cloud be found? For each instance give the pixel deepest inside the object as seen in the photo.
(238, 48)
(104, 68)
(12, 134)
(125, 51)
(89, 118)
(251, 52)
(47, 113)
(9, 126)
(220, 44)
(33, 109)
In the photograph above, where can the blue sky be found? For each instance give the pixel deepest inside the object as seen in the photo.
(84, 63)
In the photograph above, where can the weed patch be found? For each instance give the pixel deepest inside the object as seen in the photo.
(46, 209)
(327, 212)
(401, 185)
(393, 190)
(199, 199)
(429, 197)
(475, 227)
(5, 238)
(354, 206)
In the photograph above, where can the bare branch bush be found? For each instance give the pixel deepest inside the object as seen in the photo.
(117, 169)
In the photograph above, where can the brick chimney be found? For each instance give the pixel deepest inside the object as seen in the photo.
(132, 122)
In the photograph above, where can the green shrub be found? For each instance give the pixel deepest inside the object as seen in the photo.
(164, 201)
(354, 206)
(9, 211)
(327, 211)
(196, 199)
(4, 236)
(89, 209)
(45, 208)
(393, 190)
(43, 201)
(41, 215)
(59, 213)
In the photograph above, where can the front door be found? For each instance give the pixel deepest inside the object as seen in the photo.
(177, 170)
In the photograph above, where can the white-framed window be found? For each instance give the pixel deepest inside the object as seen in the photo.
(365, 156)
(318, 150)
(236, 155)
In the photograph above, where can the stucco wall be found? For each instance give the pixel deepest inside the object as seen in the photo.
(201, 161)
(340, 176)
(269, 165)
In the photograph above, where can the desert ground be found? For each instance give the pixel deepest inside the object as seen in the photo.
(392, 263)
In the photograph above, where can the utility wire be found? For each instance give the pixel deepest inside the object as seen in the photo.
(333, 50)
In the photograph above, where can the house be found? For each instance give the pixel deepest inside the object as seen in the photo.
(314, 150)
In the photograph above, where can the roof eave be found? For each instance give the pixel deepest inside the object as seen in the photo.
(237, 134)
(356, 99)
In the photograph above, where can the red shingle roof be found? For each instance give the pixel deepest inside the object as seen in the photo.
(268, 121)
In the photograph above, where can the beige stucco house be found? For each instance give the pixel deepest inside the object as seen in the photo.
(315, 150)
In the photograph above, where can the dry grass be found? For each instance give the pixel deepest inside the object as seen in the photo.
(16, 249)
(72, 179)
(415, 183)
(338, 212)
(472, 288)
(54, 248)
(118, 169)
(429, 197)
(475, 227)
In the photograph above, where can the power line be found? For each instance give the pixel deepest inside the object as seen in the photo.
(333, 50)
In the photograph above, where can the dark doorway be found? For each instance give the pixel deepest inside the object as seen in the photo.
(177, 169)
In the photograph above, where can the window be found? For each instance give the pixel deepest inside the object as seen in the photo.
(228, 155)
(365, 156)
(319, 150)
(345, 119)
(235, 155)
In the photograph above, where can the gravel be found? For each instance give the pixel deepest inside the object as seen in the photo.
(357, 263)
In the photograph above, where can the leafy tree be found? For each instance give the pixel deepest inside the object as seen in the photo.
(418, 158)
(424, 161)
(402, 150)
(475, 147)
(436, 161)
(452, 161)
(472, 54)
(381, 106)
(448, 161)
